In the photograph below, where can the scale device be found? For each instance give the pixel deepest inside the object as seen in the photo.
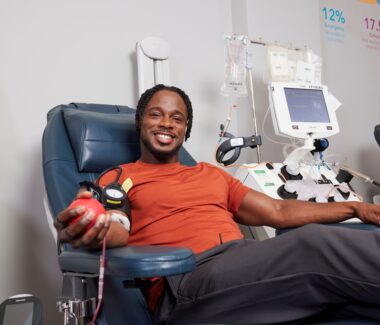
(22, 309)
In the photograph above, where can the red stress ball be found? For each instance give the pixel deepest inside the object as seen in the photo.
(92, 205)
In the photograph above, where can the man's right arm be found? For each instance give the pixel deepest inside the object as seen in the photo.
(258, 209)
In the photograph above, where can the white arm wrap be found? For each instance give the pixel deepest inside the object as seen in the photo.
(121, 219)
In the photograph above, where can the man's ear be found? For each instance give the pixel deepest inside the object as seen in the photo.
(185, 139)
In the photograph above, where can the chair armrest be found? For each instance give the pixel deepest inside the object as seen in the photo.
(129, 262)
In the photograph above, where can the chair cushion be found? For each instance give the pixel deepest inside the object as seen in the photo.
(100, 140)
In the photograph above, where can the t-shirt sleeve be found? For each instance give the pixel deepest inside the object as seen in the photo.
(237, 192)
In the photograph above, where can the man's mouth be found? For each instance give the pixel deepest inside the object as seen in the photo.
(164, 137)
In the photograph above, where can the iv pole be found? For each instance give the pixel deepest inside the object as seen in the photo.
(249, 66)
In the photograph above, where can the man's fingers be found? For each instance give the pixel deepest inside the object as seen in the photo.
(103, 221)
(103, 227)
(93, 237)
(75, 229)
(66, 235)
(67, 214)
(100, 228)
(84, 194)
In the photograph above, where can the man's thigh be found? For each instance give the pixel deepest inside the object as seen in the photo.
(296, 274)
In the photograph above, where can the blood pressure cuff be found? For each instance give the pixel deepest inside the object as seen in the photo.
(100, 140)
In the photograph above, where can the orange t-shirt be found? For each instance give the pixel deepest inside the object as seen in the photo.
(178, 205)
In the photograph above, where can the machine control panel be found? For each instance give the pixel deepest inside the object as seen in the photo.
(303, 182)
(308, 183)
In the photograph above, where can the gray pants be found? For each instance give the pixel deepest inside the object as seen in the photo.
(311, 271)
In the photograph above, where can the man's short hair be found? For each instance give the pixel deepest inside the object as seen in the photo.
(147, 96)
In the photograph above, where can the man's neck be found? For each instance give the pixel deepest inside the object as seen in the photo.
(162, 159)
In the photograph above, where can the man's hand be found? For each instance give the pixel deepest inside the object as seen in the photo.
(74, 233)
(369, 213)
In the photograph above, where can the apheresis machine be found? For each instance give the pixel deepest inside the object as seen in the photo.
(304, 111)
(307, 113)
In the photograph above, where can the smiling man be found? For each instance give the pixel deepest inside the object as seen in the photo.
(162, 123)
(310, 272)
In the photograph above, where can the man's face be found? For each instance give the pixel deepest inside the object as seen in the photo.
(163, 127)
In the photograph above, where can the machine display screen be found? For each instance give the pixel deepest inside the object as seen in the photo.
(306, 105)
(19, 314)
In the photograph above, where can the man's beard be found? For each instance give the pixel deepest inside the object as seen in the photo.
(160, 155)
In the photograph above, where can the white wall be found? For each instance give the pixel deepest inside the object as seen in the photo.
(352, 71)
(349, 69)
(54, 52)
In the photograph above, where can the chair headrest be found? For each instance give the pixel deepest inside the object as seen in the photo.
(101, 140)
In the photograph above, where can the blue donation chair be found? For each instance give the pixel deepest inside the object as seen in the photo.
(79, 142)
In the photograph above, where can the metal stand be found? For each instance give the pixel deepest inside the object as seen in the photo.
(78, 301)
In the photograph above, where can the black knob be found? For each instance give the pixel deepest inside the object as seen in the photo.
(284, 194)
(290, 174)
(345, 194)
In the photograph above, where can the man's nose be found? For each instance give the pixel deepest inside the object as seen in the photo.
(166, 121)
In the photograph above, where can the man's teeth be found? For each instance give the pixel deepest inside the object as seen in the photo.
(164, 136)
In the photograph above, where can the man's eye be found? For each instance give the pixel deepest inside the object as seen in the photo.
(154, 114)
(178, 118)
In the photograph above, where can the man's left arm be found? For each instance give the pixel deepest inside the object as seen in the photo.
(258, 209)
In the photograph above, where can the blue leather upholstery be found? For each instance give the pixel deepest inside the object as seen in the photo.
(130, 262)
(100, 140)
(79, 142)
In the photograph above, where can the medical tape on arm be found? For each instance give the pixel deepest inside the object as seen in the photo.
(122, 219)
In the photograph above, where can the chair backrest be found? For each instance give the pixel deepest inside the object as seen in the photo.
(82, 140)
